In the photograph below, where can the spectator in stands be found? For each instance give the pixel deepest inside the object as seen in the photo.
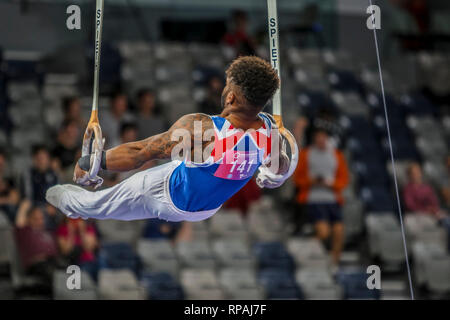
(77, 242)
(9, 195)
(149, 122)
(68, 145)
(212, 103)
(238, 37)
(72, 111)
(36, 246)
(419, 196)
(321, 176)
(111, 120)
(39, 178)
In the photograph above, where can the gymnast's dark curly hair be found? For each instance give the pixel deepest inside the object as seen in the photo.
(256, 79)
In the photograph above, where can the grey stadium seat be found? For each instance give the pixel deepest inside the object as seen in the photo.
(228, 224)
(423, 227)
(157, 255)
(233, 253)
(120, 231)
(195, 254)
(308, 252)
(431, 265)
(201, 284)
(200, 230)
(265, 225)
(119, 285)
(240, 284)
(87, 291)
(352, 213)
(385, 239)
(318, 284)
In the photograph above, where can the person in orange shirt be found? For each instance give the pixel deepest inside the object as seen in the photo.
(320, 177)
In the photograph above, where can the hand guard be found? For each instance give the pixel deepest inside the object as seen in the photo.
(268, 179)
(87, 180)
(93, 144)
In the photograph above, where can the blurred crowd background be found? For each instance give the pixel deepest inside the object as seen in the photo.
(313, 238)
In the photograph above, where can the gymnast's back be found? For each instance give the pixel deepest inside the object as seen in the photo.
(230, 158)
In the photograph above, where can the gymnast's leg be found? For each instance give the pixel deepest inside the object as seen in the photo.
(125, 201)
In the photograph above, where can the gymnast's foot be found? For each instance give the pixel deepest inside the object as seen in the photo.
(55, 194)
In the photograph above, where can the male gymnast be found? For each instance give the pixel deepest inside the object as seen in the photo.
(220, 155)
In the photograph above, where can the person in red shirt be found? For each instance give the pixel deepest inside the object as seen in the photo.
(418, 196)
(238, 38)
(36, 246)
(77, 241)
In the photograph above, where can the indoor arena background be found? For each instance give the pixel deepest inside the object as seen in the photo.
(163, 59)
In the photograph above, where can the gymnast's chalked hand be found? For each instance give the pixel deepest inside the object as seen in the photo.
(81, 177)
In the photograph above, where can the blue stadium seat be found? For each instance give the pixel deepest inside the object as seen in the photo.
(111, 64)
(416, 103)
(313, 101)
(394, 109)
(354, 285)
(378, 199)
(153, 229)
(360, 127)
(118, 256)
(344, 81)
(403, 148)
(23, 70)
(273, 255)
(371, 173)
(162, 286)
(202, 74)
(279, 284)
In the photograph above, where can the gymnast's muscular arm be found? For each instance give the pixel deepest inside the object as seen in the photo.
(133, 155)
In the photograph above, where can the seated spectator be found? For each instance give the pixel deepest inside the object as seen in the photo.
(149, 121)
(72, 111)
(321, 176)
(39, 178)
(77, 243)
(9, 195)
(238, 37)
(419, 196)
(111, 120)
(36, 246)
(212, 103)
(69, 141)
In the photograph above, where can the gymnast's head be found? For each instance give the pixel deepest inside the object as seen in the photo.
(251, 83)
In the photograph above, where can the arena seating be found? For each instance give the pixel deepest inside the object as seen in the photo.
(255, 257)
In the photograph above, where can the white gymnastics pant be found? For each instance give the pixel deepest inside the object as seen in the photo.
(144, 195)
